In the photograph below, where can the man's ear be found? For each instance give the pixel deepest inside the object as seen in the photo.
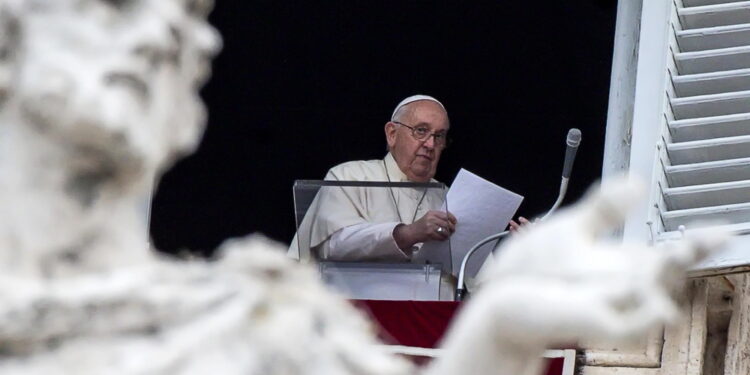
(390, 133)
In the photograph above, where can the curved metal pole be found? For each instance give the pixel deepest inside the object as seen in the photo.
(460, 283)
(560, 197)
(460, 290)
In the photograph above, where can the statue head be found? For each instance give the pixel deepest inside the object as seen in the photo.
(111, 84)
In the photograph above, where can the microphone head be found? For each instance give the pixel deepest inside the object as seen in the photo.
(574, 137)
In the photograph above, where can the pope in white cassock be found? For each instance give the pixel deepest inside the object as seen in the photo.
(383, 224)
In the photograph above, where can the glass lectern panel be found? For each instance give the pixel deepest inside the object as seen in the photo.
(384, 281)
(344, 225)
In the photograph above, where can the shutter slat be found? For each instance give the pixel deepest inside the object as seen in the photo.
(710, 127)
(709, 150)
(711, 105)
(708, 172)
(715, 15)
(711, 83)
(716, 194)
(713, 37)
(697, 3)
(714, 60)
(737, 229)
(731, 213)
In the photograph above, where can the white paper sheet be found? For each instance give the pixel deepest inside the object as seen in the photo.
(482, 209)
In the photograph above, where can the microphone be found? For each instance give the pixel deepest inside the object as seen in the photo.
(574, 139)
(572, 142)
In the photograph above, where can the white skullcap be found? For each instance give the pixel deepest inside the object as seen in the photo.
(415, 98)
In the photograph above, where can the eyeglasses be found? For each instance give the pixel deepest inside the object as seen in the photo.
(422, 134)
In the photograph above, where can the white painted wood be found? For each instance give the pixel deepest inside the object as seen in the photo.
(709, 150)
(569, 362)
(709, 127)
(731, 213)
(650, 97)
(732, 257)
(568, 355)
(711, 83)
(713, 37)
(706, 169)
(726, 103)
(590, 370)
(715, 15)
(411, 350)
(700, 158)
(716, 194)
(622, 89)
(438, 352)
(713, 60)
(708, 172)
(695, 3)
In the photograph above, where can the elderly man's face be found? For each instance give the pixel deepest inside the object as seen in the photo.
(115, 80)
(417, 159)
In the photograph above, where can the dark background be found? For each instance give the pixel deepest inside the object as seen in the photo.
(303, 85)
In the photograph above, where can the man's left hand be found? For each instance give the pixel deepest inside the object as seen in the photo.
(518, 226)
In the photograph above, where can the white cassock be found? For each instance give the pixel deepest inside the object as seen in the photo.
(356, 223)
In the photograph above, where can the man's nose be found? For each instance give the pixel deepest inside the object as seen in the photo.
(429, 143)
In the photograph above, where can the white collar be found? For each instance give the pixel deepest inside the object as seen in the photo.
(395, 174)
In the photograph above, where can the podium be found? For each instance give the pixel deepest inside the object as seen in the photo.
(383, 281)
(316, 201)
(403, 299)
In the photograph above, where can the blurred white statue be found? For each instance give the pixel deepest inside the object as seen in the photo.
(562, 281)
(97, 97)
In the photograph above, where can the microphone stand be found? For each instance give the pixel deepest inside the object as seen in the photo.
(460, 290)
(560, 197)
(572, 142)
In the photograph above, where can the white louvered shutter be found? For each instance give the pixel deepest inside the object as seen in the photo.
(706, 143)
(705, 148)
(694, 123)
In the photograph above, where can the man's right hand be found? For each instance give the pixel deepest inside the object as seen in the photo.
(433, 226)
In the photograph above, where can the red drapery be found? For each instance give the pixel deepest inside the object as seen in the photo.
(420, 323)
